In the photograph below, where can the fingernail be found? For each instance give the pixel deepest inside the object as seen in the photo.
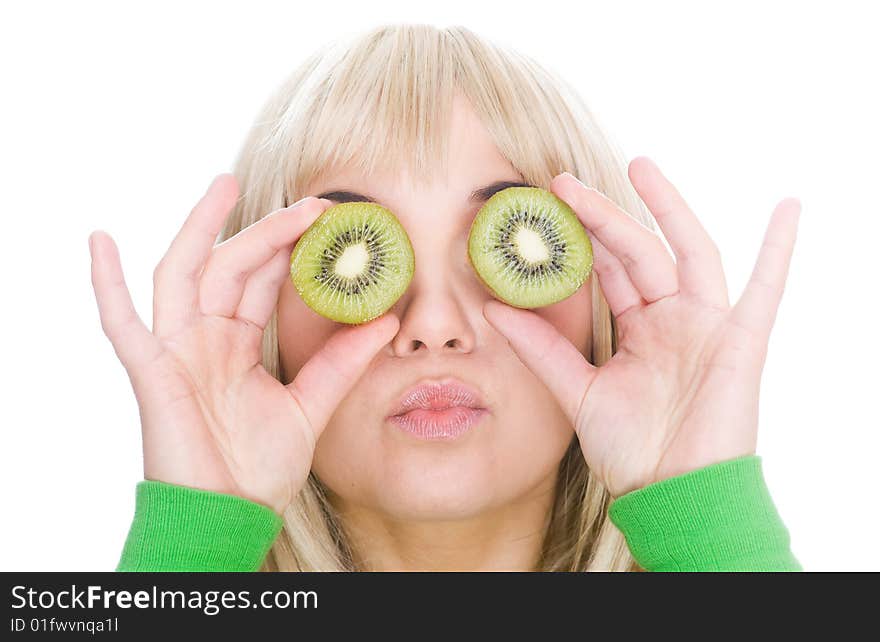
(573, 176)
(213, 183)
(299, 202)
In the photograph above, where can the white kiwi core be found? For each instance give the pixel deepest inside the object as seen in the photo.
(531, 246)
(352, 261)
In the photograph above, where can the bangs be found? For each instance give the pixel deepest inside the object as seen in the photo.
(380, 104)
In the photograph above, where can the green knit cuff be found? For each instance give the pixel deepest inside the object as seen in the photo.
(178, 528)
(717, 518)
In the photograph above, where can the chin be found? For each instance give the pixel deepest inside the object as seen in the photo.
(382, 469)
(427, 484)
(424, 502)
(443, 480)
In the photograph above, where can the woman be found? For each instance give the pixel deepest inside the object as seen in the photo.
(614, 430)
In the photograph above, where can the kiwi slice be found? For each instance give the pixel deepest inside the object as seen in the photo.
(528, 247)
(353, 263)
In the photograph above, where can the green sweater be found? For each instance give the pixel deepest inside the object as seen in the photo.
(717, 518)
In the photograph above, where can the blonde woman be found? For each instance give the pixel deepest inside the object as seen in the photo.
(614, 430)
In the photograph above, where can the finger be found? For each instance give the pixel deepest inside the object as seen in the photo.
(176, 277)
(331, 372)
(640, 250)
(132, 341)
(617, 288)
(233, 261)
(698, 260)
(549, 355)
(262, 289)
(756, 309)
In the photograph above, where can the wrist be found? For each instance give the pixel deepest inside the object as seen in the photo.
(219, 484)
(677, 468)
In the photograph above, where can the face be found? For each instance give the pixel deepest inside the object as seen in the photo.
(513, 446)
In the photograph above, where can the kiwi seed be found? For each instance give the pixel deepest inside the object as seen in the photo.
(529, 248)
(353, 263)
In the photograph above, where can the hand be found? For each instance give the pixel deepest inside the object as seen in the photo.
(681, 392)
(211, 416)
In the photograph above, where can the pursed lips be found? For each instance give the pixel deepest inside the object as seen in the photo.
(440, 395)
(438, 410)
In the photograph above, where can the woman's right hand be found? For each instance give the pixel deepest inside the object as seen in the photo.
(212, 417)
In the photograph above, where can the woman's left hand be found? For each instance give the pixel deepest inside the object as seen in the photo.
(681, 392)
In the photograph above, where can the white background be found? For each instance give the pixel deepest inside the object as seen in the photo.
(117, 117)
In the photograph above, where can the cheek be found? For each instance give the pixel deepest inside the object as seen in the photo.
(534, 428)
(573, 317)
(301, 331)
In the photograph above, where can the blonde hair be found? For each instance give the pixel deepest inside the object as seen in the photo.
(381, 100)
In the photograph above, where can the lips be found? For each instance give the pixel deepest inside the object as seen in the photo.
(438, 410)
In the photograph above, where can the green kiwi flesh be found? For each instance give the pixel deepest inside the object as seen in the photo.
(529, 248)
(353, 263)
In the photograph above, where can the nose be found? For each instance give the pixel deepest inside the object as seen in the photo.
(433, 320)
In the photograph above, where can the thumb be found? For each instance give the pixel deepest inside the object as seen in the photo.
(549, 355)
(330, 373)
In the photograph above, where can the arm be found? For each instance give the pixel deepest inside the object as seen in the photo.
(716, 518)
(178, 528)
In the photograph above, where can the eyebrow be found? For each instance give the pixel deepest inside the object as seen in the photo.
(479, 195)
(485, 193)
